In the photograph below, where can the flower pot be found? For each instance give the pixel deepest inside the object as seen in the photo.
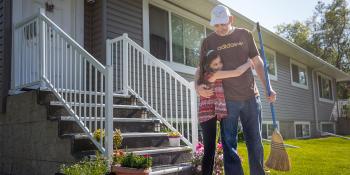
(174, 141)
(129, 171)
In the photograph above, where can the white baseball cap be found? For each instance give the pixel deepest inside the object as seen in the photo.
(220, 15)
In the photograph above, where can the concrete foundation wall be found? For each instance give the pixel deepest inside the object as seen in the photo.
(29, 143)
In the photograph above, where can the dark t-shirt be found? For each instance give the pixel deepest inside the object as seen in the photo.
(234, 50)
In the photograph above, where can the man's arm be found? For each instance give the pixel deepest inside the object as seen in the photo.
(202, 89)
(259, 68)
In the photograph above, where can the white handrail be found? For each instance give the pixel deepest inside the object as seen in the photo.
(166, 94)
(43, 52)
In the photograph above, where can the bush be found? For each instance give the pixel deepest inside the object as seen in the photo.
(134, 161)
(86, 167)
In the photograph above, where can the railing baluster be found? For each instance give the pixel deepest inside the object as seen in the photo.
(90, 96)
(95, 106)
(101, 107)
(85, 89)
(161, 91)
(147, 82)
(166, 95)
(176, 106)
(182, 110)
(156, 86)
(171, 100)
(187, 114)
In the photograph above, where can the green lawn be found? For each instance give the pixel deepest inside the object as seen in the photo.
(322, 156)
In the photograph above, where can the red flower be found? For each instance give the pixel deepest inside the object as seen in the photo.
(146, 156)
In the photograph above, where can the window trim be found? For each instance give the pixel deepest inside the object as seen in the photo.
(322, 123)
(318, 89)
(306, 74)
(272, 52)
(269, 122)
(302, 123)
(179, 67)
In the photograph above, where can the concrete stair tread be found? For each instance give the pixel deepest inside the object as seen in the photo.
(125, 135)
(120, 95)
(115, 119)
(58, 103)
(157, 150)
(166, 169)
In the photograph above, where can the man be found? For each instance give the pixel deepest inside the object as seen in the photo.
(235, 46)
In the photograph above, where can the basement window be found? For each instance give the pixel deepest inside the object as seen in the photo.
(302, 129)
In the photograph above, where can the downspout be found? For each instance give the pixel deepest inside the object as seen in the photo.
(315, 99)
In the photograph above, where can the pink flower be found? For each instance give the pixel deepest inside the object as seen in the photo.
(219, 146)
(199, 146)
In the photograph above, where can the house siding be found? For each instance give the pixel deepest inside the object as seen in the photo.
(293, 103)
(5, 50)
(124, 16)
(324, 108)
(93, 33)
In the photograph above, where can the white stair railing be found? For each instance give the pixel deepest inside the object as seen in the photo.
(165, 93)
(44, 53)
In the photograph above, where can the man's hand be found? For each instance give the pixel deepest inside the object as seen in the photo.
(272, 97)
(204, 91)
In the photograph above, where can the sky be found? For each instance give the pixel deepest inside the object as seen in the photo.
(270, 13)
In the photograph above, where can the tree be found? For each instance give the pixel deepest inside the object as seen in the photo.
(326, 34)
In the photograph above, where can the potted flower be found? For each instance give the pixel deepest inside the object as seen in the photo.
(174, 138)
(117, 137)
(131, 164)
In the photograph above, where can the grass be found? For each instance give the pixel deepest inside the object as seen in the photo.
(321, 156)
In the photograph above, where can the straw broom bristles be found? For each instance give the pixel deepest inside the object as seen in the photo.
(278, 158)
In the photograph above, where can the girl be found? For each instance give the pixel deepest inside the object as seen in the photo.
(213, 108)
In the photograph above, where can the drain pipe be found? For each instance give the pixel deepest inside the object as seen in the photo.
(315, 99)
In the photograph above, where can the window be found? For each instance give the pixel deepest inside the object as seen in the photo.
(208, 31)
(267, 129)
(186, 40)
(159, 33)
(176, 36)
(271, 63)
(325, 88)
(302, 129)
(299, 75)
(328, 127)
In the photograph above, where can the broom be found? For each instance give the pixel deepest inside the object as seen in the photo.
(278, 158)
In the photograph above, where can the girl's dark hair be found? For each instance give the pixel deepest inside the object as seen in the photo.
(204, 66)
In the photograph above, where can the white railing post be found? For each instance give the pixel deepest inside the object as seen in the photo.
(42, 44)
(13, 59)
(109, 102)
(194, 119)
(125, 67)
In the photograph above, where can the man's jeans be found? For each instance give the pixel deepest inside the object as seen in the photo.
(250, 115)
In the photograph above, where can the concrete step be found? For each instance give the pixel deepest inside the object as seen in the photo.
(164, 155)
(56, 109)
(133, 140)
(178, 169)
(45, 97)
(67, 124)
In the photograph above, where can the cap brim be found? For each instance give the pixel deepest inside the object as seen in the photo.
(215, 21)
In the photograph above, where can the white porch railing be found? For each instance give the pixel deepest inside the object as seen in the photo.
(165, 93)
(341, 108)
(44, 53)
